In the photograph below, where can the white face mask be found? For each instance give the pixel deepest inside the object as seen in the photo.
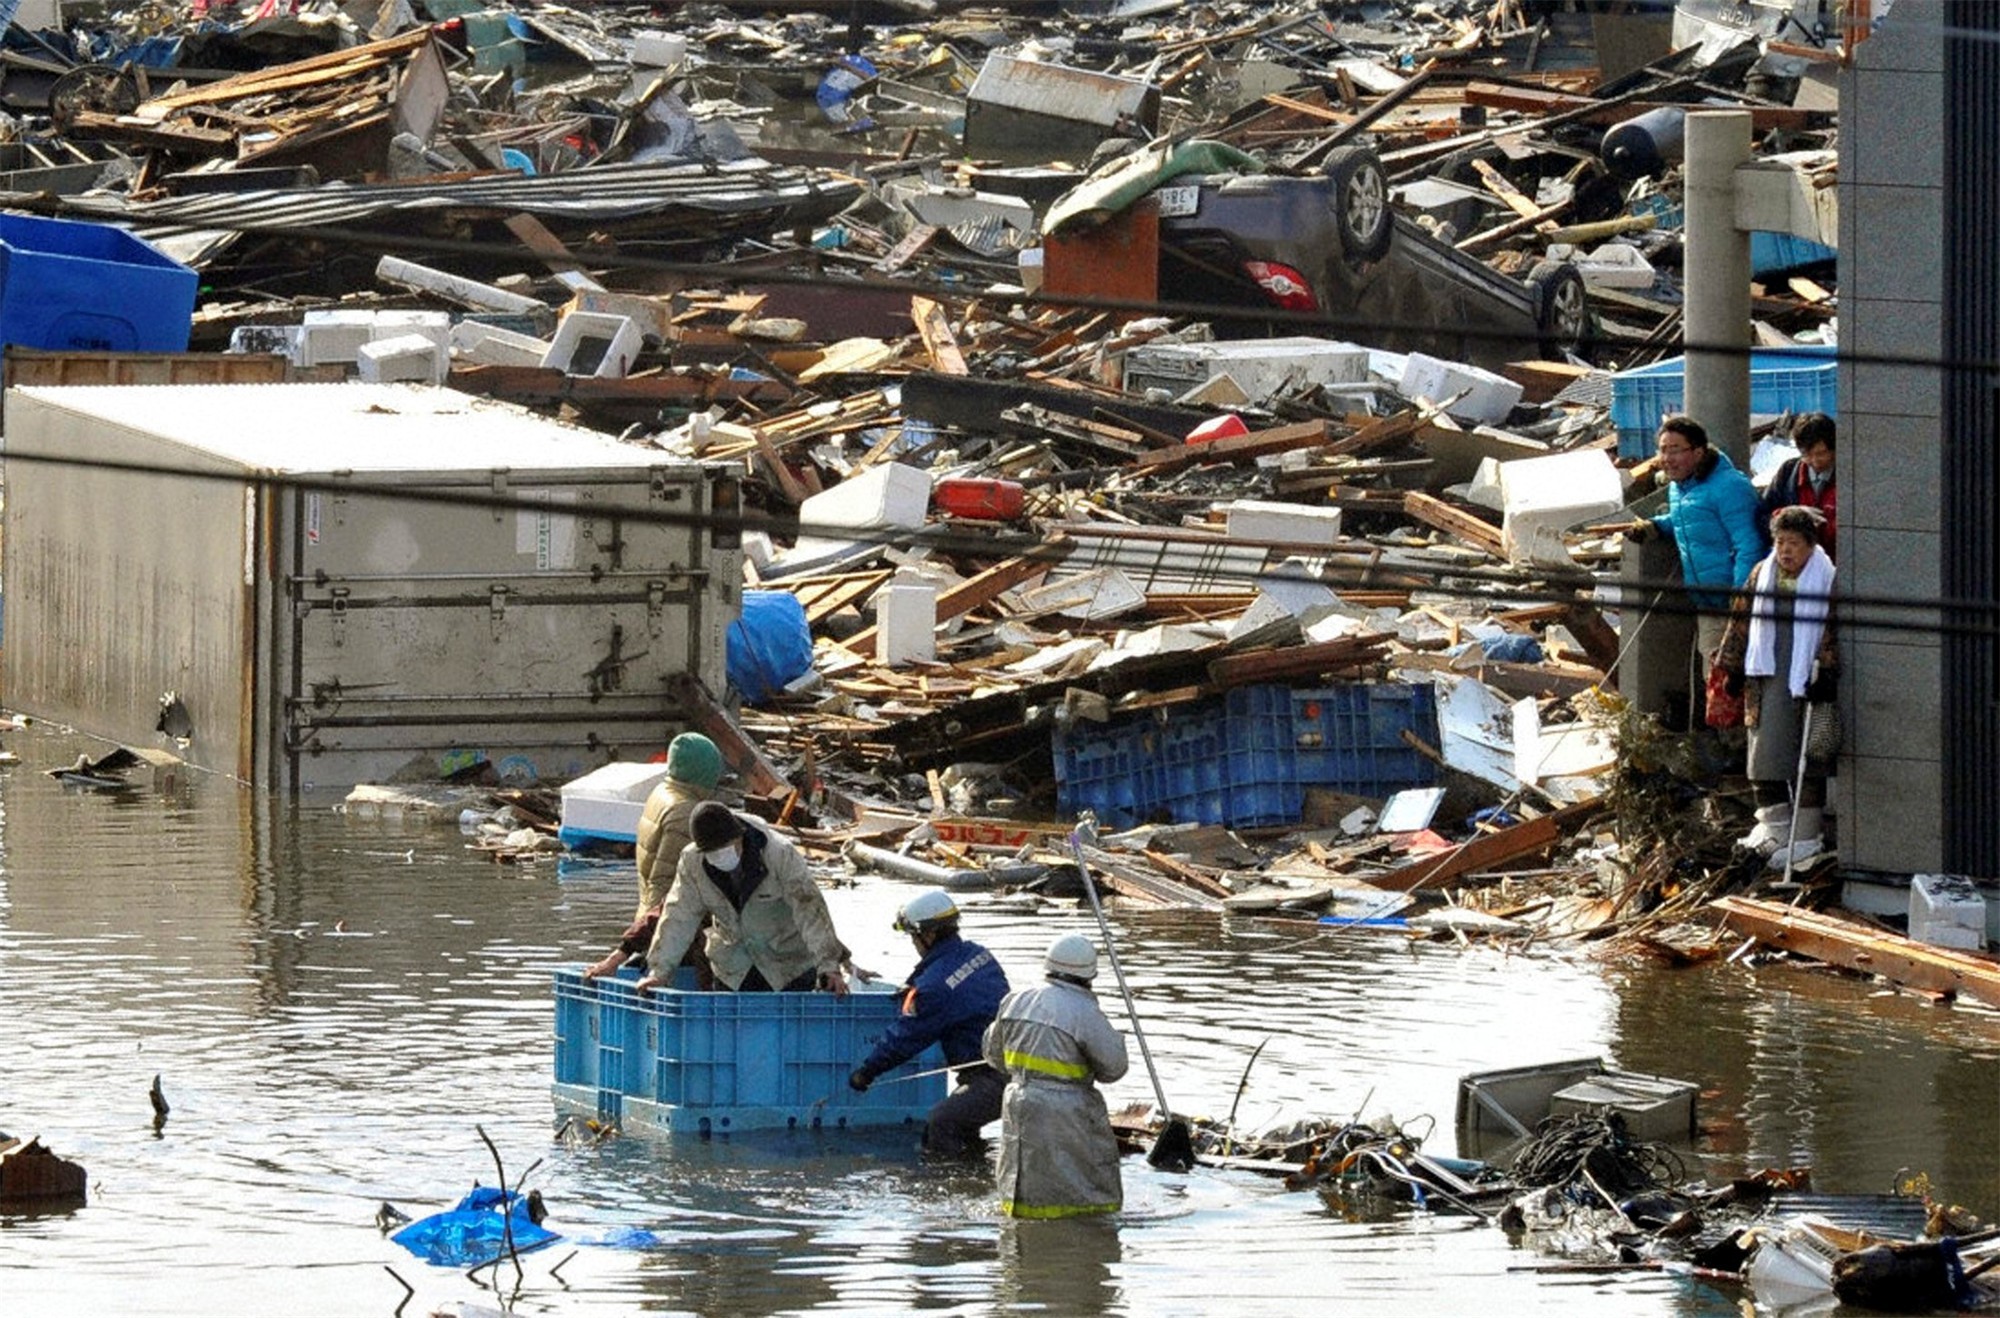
(723, 858)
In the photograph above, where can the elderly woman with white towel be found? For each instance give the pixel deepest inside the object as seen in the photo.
(1778, 653)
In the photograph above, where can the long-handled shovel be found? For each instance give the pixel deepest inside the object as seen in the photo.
(1174, 1149)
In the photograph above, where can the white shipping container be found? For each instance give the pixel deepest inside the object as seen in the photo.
(340, 581)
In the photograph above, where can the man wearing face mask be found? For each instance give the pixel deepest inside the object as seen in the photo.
(768, 924)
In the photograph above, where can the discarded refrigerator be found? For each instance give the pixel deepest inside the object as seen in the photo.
(306, 586)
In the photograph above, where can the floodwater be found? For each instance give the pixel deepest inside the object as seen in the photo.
(338, 1007)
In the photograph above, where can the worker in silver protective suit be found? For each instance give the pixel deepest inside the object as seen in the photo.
(1058, 1157)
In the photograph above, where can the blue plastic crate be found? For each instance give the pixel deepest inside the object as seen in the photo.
(683, 1062)
(1247, 759)
(70, 286)
(1773, 253)
(1781, 380)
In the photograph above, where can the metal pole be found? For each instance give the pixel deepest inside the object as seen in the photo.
(1717, 268)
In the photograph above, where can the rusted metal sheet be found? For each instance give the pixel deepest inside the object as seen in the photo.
(1858, 947)
(33, 366)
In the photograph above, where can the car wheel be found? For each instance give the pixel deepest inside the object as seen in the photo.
(1562, 307)
(1361, 203)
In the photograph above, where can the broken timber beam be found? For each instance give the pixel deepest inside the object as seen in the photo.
(761, 777)
(1870, 951)
(1474, 531)
(1485, 853)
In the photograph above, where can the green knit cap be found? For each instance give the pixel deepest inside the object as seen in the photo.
(693, 759)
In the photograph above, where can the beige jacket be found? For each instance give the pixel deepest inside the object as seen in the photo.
(663, 835)
(782, 927)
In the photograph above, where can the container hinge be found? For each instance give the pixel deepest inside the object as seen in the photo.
(500, 496)
(496, 609)
(337, 601)
(656, 606)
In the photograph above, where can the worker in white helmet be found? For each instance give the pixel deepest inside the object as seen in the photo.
(948, 1000)
(1058, 1157)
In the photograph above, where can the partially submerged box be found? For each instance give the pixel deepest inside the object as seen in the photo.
(343, 581)
(1023, 108)
(606, 803)
(1499, 1109)
(687, 1063)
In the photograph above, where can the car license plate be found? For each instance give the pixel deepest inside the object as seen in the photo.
(1182, 200)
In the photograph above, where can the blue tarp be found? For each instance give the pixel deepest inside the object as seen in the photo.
(770, 645)
(475, 1232)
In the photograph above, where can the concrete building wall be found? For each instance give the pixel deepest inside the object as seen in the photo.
(1893, 213)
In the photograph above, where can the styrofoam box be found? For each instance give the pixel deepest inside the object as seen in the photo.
(1541, 497)
(491, 345)
(590, 344)
(659, 50)
(411, 358)
(1488, 397)
(1290, 523)
(1260, 367)
(607, 802)
(1947, 910)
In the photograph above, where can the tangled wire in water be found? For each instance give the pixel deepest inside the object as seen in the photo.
(1593, 1148)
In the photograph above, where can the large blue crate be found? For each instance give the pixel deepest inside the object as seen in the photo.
(1781, 380)
(1248, 758)
(70, 286)
(684, 1062)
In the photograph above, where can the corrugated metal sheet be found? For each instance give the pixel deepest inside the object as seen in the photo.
(1970, 722)
(706, 199)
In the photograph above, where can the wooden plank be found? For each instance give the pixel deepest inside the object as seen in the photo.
(1870, 951)
(1484, 853)
(539, 239)
(935, 330)
(905, 251)
(1497, 97)
(981, 589)
(1517, 201)
(1237, 448)
(1475, 531)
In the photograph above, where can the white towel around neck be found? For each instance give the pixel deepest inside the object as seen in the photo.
(1809, 609)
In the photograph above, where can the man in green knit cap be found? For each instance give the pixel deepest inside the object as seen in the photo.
(694, 767)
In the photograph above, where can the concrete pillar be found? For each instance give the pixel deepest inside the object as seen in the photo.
(1717, 308)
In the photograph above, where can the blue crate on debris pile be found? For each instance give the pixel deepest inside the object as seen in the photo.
(73, 286)
(1248, 758)
(1781, 380)
(683, 1062)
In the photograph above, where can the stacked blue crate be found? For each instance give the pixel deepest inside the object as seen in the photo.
(1248, 758)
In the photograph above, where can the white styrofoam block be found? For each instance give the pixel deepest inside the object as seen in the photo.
(906, 622)
(607, 802)
(658, 50)
(1616, 265)
(1543, 497)
(334, 337)
(490, 345)
(590, 344)
(1941, 902)
(271, 340)
(1260, 367)
(1291, 523)
(433, 325)
(888, 494)
(409, 357)
(1488, 397)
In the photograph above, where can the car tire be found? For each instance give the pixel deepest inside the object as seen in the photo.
(1361, 211)
(1562, 307)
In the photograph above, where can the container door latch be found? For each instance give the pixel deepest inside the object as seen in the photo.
(337, 601)
(656, 606)
(496, 609)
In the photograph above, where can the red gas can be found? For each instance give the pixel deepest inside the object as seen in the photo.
(979, 499)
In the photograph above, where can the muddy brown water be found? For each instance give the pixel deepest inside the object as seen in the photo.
(336, 1006)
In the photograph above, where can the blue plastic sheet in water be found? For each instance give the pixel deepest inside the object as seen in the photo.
(476, 1231)
(770, 645)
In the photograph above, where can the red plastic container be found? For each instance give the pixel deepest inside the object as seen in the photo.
(979, 499)
(1227, 426)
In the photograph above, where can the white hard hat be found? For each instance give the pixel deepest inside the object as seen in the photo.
(927, 912)
(1072, 955)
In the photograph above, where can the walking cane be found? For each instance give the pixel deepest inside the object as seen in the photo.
(1799, 778)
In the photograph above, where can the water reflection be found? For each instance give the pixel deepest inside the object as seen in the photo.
(338, 1006)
